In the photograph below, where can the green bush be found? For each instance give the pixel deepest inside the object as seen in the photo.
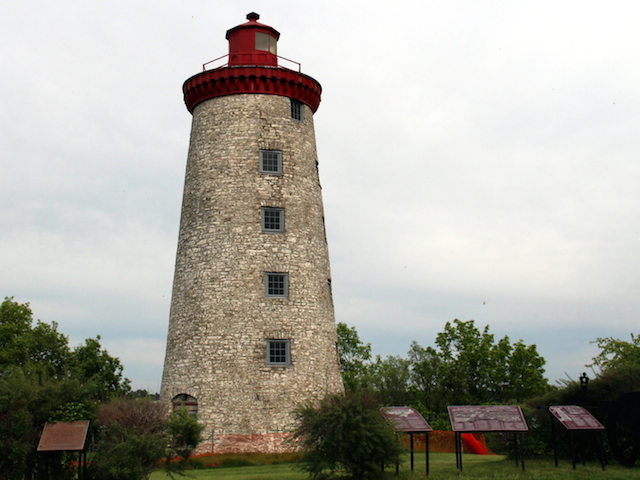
(185, 432)
(136, 435)
(346, 434)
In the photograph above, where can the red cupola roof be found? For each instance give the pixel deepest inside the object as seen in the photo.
(253, 43)
(252, 68)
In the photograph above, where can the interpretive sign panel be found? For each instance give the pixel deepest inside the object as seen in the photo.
(487, 418)
(63, 436)
(406, 419)
(573, 417)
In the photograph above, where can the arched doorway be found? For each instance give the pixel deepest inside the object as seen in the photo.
(185, 400)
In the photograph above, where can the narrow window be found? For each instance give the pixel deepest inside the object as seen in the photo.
(278, 352)
(296, 109)
(272, 220)
(271, 162)
(277, 284)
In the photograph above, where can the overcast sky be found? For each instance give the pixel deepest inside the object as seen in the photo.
(479, 160)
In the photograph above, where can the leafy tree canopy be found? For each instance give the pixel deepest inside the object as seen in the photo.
(474, 368)
(21, 342)
(466, 365)
(616, 353)
(354, 355)
(42, 349)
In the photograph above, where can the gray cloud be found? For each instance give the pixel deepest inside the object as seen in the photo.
(477, 160)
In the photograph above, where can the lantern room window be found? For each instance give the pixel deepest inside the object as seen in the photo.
(266, 43)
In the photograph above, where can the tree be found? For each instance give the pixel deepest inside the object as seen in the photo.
(354, 357)
(390, 378)
(474, 369)
(27, 401)
(21, 343)
(185, 432)
(345, 433)
(100, 371)
(465, 366)
(42, 379)
(616, 353)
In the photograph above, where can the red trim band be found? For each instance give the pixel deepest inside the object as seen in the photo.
(251, 79)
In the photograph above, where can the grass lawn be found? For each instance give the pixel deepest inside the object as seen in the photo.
(443, 467)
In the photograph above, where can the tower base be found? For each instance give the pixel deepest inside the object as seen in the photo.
(254, 443)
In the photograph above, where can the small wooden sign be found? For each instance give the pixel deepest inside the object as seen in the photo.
(487, 418)
(573, 417)
(63, 436)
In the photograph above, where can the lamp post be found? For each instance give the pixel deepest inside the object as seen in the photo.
(584, 381)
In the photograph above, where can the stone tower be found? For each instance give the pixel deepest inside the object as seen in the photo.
(251, 330)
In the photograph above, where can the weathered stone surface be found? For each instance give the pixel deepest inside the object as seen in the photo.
(220, 317)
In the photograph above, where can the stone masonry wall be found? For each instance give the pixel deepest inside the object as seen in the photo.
(220, 317)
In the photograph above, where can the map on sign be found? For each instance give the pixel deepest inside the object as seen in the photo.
(406, 419)
(574, 417)
(487, 418)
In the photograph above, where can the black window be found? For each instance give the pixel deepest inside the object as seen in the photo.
(296, 109)
(277, 284)
(278, 352)
(271, 162)
(272, 219)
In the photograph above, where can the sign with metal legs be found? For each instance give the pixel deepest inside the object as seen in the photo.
(578, 422)
(485, 419)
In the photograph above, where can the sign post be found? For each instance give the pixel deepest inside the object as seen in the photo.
(576, 419)
(408, 420)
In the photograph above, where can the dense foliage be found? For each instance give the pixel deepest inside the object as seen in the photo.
(346, 434)
(617, 353)
(613, 396)
(136, 434)
(466, 366)
(354, 357)
(43, 379)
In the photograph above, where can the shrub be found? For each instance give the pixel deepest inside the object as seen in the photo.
(345, 433)
(185, 432)
(132, 441)
(136, 434)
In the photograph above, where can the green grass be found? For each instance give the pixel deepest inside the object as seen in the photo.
(442, 467)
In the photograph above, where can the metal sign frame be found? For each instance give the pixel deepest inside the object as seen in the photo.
(408, 420)
(488, 418)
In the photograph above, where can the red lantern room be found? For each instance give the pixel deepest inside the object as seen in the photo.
(253, 43)
(252, 68)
